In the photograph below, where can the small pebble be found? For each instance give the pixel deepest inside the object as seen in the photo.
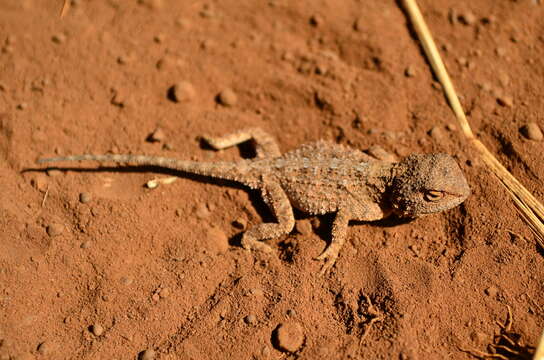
(485, 86)
(123, 60)
(288, 56)
(462, 61)
(207, 12)
(119, 98)
(86, 244)
(148, 354)
(10, 40)
(164, 293)
(321, 69)
(316, 20)
(162, 64)
(436, 85)
(291, 313)
(168, 62)
(159, 38)
(500, 51)
(5, 343)
(492, 291)
(207, 44)
(54, 229)
(467, 18)
(22, 106)
(85, 197)
(410, 71)
(201, 211)
(152, 184)
(157, 136)
(505, 100)
(183, 92)
(289, 336)
(257, 292)
(46, 348)
(359, 24)
(152, 4)
(489, 19)
(183, 23)
(126, 280)
(53, 172)
(40, 182)
(250, 319)
(7, 49)
(227, 97)
(97, 329)
(58, 38)
(436, 133)
(532, 132)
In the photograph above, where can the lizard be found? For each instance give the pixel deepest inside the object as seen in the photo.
(319, 178)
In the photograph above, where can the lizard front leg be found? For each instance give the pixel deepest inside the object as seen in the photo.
(361, 210)
(265, 144)
(339, 231)
(278, 202)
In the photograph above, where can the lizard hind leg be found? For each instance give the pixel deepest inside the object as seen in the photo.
(265, 144)
(278, 202)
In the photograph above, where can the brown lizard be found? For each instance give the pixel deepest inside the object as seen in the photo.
(320, 178)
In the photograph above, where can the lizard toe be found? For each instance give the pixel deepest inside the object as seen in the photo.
(252, 244)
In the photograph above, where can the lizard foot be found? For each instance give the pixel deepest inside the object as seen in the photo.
(250, 243)
(330, 257)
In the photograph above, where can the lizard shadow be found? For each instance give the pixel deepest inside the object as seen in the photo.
(140, 169)
(324, 229)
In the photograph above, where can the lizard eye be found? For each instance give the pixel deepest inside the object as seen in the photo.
(433, 195)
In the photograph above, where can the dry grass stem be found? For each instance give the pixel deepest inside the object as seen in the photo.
(64, 9)
(539, 354)
(531, 209)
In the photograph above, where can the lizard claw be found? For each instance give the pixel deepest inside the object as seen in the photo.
(329, 256)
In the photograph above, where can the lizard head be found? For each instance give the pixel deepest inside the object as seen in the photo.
(426, 184)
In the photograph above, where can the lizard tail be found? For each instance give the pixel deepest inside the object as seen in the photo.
(236, 171)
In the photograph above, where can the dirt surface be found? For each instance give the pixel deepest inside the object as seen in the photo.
(93, 265)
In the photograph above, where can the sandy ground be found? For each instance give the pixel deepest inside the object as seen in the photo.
(95, 266)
